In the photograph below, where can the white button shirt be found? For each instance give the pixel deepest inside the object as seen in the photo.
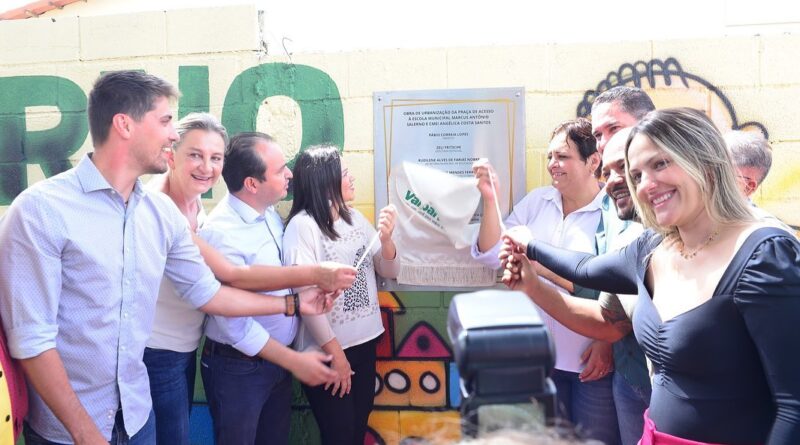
(247, 237)
(79, 273)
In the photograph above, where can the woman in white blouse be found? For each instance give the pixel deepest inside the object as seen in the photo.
(566, 214)
(322, 227)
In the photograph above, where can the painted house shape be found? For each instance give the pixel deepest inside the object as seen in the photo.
(413, 382)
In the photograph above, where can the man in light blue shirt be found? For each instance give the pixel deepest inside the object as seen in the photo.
(83, 255)
(249, 398)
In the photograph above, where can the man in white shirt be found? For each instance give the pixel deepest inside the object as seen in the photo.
(249, 397)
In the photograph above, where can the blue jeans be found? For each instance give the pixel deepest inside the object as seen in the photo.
(631, 401)
(589, 406)
(172, 389)
(249, 399)
(145, 436)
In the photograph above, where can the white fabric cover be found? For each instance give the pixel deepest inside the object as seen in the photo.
(433, 230)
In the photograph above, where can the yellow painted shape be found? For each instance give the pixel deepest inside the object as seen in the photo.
(439, 427)
(387, 300)
(387, 397)
(415, 396)
(387, 425)
(6, 427)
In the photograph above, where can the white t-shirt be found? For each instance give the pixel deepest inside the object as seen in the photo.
(356, 317)
(178, 326)
(541, 210)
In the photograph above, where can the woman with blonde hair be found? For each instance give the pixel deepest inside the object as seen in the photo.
(718, 292)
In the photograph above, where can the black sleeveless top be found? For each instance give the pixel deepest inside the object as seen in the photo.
(727, 371)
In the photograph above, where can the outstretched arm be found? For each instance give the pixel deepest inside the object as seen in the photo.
(233, 302)
(612, 272)
(489, 232)
(329, 276)
(581, 315)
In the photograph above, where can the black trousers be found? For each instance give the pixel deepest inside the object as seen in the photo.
(343, 421)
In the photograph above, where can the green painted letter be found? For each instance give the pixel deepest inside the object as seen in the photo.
(50, 148)
(314, 91)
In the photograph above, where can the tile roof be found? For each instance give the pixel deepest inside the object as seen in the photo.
(34, 9)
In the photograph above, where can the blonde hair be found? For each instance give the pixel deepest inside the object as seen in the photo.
(693, 142)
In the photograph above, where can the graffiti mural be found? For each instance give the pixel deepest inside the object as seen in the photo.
(413, 382)
(416, 380)
(669, 85)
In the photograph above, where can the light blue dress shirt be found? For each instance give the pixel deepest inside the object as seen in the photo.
(610, 225)
(247, 237)
(80, 272)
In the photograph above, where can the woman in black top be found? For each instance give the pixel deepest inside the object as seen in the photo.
(719, 293)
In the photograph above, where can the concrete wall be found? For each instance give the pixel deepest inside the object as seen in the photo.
(47, 67)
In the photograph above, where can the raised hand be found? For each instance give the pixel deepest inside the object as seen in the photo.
(520, 274)
(518, 237)
(481, 169)
(386, 220)
(507, 250)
